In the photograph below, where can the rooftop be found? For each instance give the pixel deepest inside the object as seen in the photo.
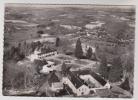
(77, 82)
(53, 78)
(57, 85)
(93, 74)
(46, 52)
(68, 89)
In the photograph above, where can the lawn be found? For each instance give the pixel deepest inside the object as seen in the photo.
(81, 62)
(74, 66)
(57, 62)
(64, 58)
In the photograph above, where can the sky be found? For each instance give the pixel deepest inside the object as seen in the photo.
(65, 5)
(107, 2)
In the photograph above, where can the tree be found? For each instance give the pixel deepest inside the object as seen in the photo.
(78, 50)
(98, 51)
(103, 69)
(125, 85)
(89, 53)
(116, 72)
(57, 41)
(65, 69)
(40, 32)
(94, 57)
(128, 69)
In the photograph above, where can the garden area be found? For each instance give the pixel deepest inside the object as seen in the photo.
(57, 62)
(74, 66)
(81, 62)
(63, 57)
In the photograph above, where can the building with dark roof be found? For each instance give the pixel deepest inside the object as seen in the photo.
(77, 85)
(53, 78)
(77, 82)
(72, 83)
(93, 74)
(98, 78)
(54, 82)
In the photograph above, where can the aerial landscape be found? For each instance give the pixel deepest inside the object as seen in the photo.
(69, 50)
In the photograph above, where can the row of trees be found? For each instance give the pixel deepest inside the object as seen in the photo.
(21, 50)
(13, 53)
(79, 51)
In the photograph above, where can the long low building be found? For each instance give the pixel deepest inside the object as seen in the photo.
(84, 81)
(41, 55)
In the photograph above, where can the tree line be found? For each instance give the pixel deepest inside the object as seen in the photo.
(80, 54)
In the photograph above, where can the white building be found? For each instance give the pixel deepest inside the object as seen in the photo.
(39, 55)
(44, 35)
(81, 83)
(32, 57)
(76, 85)
(80, 90)
(83, 90)
(46, 69)
(93, 25)
(56, 86)
(43, 55)
(89, 78)
(45, 39)
(70, 27)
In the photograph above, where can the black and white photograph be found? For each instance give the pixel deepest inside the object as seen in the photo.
(68, 50)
